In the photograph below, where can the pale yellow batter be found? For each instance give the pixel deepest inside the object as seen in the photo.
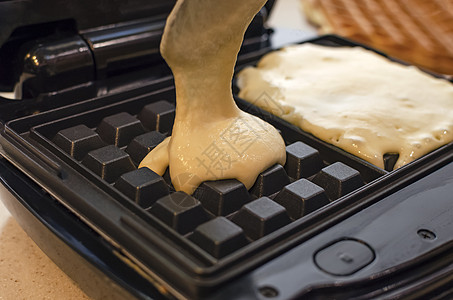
(212, 139)
(354, 99)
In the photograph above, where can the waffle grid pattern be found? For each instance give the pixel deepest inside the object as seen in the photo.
(419, 32)
(221, 216)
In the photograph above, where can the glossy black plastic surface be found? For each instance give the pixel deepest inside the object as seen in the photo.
(53, 22)
(50, 46)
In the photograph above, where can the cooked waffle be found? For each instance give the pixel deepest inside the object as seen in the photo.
(417, 31)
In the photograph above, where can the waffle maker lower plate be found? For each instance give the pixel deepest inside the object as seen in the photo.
(327, 225)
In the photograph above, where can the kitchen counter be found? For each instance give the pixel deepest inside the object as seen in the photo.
(25, 271)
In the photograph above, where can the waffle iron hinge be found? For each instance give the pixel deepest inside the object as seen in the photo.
(52, 64)
(56, 56)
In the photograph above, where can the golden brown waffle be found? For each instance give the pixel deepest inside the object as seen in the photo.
(417, 31)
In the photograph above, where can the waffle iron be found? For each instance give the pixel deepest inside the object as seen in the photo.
(93, 96)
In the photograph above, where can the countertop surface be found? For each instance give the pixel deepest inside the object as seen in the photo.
(26, 272)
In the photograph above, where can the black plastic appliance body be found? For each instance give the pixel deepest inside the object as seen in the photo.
(387, 237)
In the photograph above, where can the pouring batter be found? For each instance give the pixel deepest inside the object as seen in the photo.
(212, 138)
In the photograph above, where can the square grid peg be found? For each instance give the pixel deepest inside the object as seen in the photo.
(270, 181)
(261, 217)
(142, 186)
(302, 161)
(120, 129)
(338, 180)
(179, 211)
(222, 197)
(390, 160)
(301, 198)
(158, 116)
(219, 237)
(108, 162)
(77, 141)
(143, 144)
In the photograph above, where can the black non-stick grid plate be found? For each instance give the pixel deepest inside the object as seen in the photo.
(86, 156)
